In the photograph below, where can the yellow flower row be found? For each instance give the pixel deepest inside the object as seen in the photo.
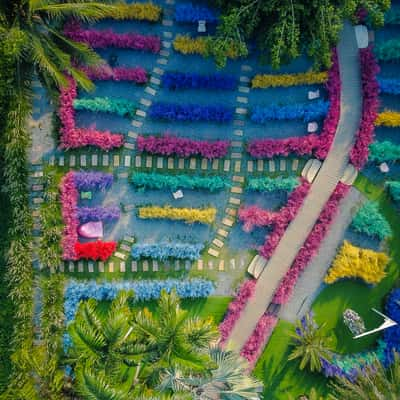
(189, 215)
(304, 78)
(388, 118)
(356, 262)
(139, 11)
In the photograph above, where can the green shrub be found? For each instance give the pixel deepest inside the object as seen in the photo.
(272, 184)
(384, 151)
(394, 190)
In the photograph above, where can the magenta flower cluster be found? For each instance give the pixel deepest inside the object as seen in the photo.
(318, 145)
(235, 308)
(108, 38)
(106, 73)
(168, 145)
(255, 344)
(370, 92)
(73, 137)
(255, 216)
(311, 245)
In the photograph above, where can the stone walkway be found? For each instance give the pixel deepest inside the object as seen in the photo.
(323, 186)
(309, 284)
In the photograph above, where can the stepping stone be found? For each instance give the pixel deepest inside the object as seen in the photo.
(95, 160)
(116, 160)
(241, 99)
(155, 81)
(282, 165)
(101, 266)
(133, 134)
(200, 264)
(35, 213)
(238, 122)
(227, 222)
(170, 163)
(246, 68)
(236, 155)
(71, 266)
(150, 91)
(181, 163)
(232, 263)
(111, 267)
(122, 266)
(162, 61)
(105, 160)
(72, 160)
(129, 207)
(137, 124)
(141, 113)
(271, 165)
(192, 163)
(129, 239)
(61, 162)
(129, 146)
(234, 200)
(204, 163)
(237, 178)
(260, 165)
(120, 255)
(242, 263)
(90, 266)
(221, 265)
(244, 79)
(236, 189)
(37, 188)
(127, 161)
(145, 102)
(122, 175)
(52, 160)
(167, 34)
(215, 164)
(250, 166)
(236, 143)
(36, 227)
(295, 164)
(165, 53)
(125, 247)
(231, 212)
(80, 266)
(160, 162)
(177, 265)
(167, 22)
(188, 265)
(223, 232)
(82, 160)
(145, 266)
(210, 263)
(218, 243)
(244, 89)
(241, 111)
(227, 165)
(149, 161)
(237, 167)
(38, 200)
(155, 266)
(158, 71)
(61, 267)
(134, 266)
(238, 132)
(138, 161)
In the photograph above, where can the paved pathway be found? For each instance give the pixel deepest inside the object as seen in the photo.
(310, 282)
(324, 184)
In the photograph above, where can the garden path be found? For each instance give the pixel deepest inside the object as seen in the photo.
(323, 186)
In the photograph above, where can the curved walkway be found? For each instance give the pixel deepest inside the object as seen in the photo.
(323, 186)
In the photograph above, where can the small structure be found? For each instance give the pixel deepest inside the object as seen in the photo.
(361, 36)
(311, 169)
(353, 321)
(178, 194)
(312, 127)
(384, 168)
(86, 195)
(202, 28)
(91, 230)
(312, 95)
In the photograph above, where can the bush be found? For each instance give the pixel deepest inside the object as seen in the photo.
(356, 262)
(90, 181)
(305, 111)
(394, 190)
(168, 145)
(180, 80)
(285, 80)
(121, 107)
(188, 215)
(371, 222)
(106, 214)
(255, 216)
(140, 11)
(95, 251)
(187, 12)
(388, 118)
(143, 181)
(165, 250)
(391, 335)
(273, 184)
(190, 112)
(389, 86)
(384, 151)
(106, 73)
(388, 50)
(143, 291)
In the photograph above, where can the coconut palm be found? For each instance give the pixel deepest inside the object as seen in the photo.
(310, 344)
(227, 378)
(373, 383)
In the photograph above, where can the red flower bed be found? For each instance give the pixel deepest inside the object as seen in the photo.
(98, 250)
(255, 216)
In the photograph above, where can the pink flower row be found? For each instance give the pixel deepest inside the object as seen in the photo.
(370, 92)
(255, 216)
(108, 38)
(318, 145)
(106, 73)
(183, 147)
(73, 137)
(311, 245)
(256, 342)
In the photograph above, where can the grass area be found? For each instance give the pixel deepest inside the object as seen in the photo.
(283, 378)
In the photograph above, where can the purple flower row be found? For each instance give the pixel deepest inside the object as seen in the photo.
(106, 73)
(106, 214)
(88, 181)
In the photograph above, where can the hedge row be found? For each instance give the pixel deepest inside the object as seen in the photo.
(389, 86)
(388, 118)
(121, 107)
(388, 51)
(188, 12)
(267, 184)
(285, 80)
(165, 250)
(181, 80)
(384, 151)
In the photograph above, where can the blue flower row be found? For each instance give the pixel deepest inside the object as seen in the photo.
(190, 112)
(389, 86)
(187, 12)
(143, 290)
(305, 111)
(392, 335)
(180, 80)
(165, 250)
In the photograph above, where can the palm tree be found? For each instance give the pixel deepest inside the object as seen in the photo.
(227, 379)
(372, 383)
(310, 344)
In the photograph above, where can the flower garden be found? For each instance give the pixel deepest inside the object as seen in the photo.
(174, 184)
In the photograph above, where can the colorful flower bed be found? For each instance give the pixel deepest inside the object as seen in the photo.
(139, 11)
(190, 112)
(106, 73)
(143, 290)
(371, 222)
(355, 262)
(266, 184)
(391, 335)
(311, 245)
(181, 80)
(71, 184)
(73, 137)
(235, 308)
(254, 216)
(163, 251)
(286, 80)
(388, 118)
(188, 215)
(389, 86)
(305, 111)
(105, 214)
(121, 107)
(168, 145)
(108, 38)
(143, 181)
(383, 151)
(370, 91)
(187, 12)
(394, 190)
